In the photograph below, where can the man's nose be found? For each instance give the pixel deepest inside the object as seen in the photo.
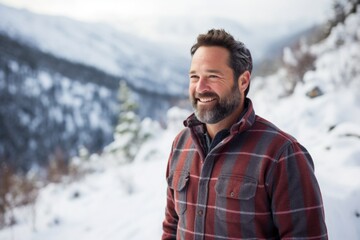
(202, 85)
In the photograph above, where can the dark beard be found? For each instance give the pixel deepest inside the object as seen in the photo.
(222, 109)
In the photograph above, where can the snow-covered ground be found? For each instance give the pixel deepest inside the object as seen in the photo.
(127, 201)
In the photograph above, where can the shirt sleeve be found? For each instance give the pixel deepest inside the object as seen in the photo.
(171, 218)
(296, 200)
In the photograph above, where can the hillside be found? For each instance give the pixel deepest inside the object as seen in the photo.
(59, 84)
(100, 46)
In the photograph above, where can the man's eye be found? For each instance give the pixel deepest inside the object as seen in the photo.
(213, 76)
(194, 77)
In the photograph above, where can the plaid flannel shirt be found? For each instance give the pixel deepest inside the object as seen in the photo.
(257, 183)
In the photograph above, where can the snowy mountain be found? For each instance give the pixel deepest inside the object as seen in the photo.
(59, 82)
(49, 107)
(100, 46)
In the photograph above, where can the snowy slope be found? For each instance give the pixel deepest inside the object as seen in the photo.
(101, 46)
(127, 201)
(329, 125)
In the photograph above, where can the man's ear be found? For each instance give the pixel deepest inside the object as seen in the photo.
(244, 81)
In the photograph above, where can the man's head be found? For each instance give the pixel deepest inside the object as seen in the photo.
(240, 59)
(219, 76)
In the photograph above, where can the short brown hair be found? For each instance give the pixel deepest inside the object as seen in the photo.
(240, 57)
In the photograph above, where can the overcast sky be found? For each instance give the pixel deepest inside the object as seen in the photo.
(268, 12)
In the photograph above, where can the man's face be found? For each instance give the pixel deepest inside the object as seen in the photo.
(213, 92)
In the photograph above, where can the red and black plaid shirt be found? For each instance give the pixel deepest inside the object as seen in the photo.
(257, 183)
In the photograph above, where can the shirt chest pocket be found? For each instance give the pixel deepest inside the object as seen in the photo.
(235, 198)
(178, 181)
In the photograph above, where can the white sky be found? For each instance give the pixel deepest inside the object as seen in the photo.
(263, 12)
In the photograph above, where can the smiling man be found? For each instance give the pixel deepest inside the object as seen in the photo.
(231, 174)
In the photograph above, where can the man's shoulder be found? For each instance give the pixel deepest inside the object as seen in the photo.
(182, 134)
(267, 127)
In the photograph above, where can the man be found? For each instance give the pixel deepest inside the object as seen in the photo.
(231, 174)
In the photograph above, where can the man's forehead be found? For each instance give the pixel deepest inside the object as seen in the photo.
(211, 50)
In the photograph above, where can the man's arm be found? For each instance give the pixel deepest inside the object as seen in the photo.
(297, 204)
(171, 218)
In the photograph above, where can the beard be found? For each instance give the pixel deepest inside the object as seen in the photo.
(222, 108)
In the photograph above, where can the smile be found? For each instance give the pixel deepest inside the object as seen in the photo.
(206, 100)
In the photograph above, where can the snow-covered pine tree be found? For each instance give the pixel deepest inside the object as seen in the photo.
(128, 133)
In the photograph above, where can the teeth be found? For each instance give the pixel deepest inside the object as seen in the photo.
(206, 99)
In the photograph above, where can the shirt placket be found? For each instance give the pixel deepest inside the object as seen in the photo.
(203, 192)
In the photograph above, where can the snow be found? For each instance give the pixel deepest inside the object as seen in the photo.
(289, 57)
(127, 201)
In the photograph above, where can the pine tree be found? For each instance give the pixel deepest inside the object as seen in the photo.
(128, 130)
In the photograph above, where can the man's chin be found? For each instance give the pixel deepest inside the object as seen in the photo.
(203, 111)
(204, 116)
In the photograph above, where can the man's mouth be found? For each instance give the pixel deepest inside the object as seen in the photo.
(205, 100)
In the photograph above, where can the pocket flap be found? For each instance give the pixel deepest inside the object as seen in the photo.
(236, 187)
(178, 180)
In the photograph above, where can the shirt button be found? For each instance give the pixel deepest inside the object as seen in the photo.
(200, 212)
(232, 194)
